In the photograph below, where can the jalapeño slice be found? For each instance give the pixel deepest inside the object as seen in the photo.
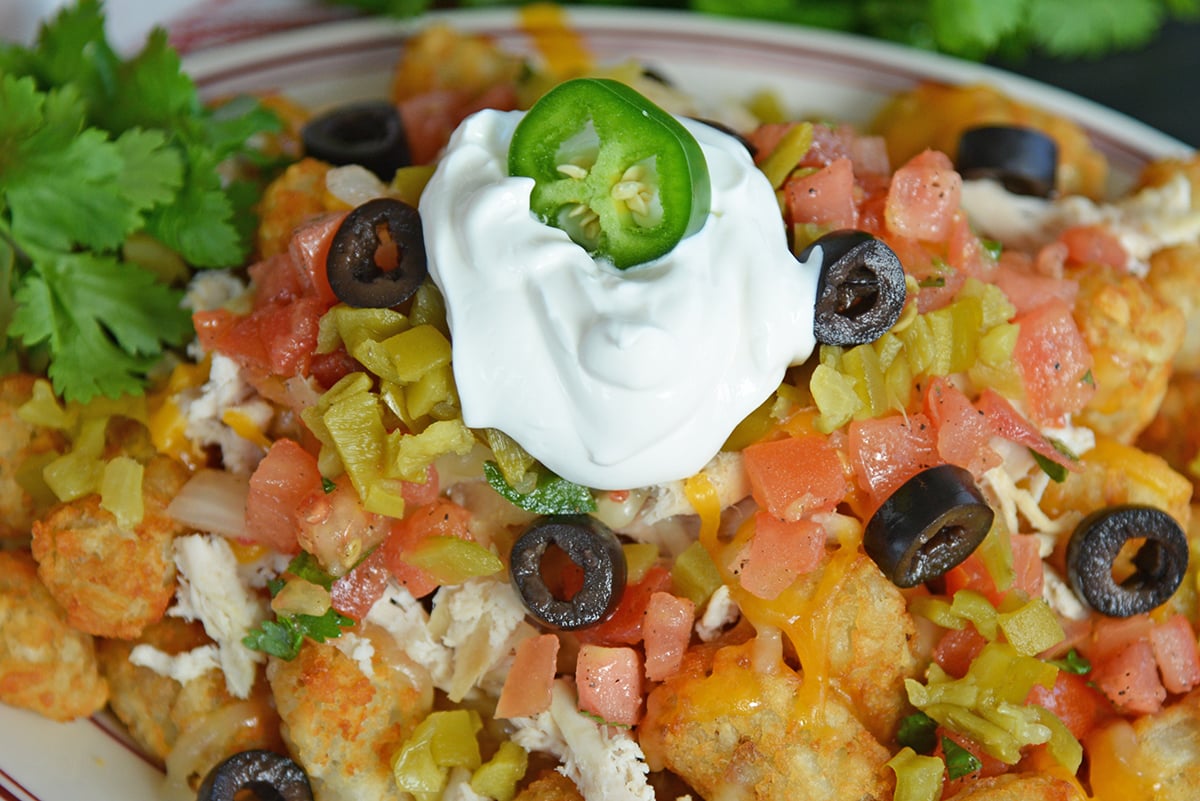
(622, 177)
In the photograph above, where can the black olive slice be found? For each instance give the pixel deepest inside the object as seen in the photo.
(370, 134)
(354, 274)
(269, 776)
(1159, 562)
(1023, 160)
(588, 543)
(860, 292)
(930, 524)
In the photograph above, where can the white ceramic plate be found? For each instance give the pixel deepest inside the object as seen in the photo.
(815, 73)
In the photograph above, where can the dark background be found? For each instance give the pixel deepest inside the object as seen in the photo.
(1158, 84)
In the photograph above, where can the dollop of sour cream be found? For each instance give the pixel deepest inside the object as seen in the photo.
(612, 379)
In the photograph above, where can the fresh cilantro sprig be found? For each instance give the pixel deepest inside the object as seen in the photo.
(967, 28)
(95, 148)
(283, 636)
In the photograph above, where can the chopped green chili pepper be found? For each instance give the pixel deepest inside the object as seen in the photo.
(622, 177)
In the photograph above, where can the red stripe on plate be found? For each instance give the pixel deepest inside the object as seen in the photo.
(13, 790)
(115, 732)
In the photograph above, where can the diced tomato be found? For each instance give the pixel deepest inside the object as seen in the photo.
(357, 591)
(887, 451)
(430, 117)
(795, 477)
(962, 430)
(424, 493)
(667, 630)
(1074, 701)
(1093, 244)
(825, 197)
(624, 627)
(963, 248)
(442, 518)
(530, 683)
(1111, 634)
(1008, 423)
(972, 574)
(957, 649)
(1129, 677)
(766, 137)
(1175, 651)
(1027, 288)
(282, 483)
(329, 368)
(609, 682)
(923, 198)
(277, 338)
(778, 552)
(309, 248)
(1054, 362)
(276, 280)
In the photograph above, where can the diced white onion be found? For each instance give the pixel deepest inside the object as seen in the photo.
(214, 502)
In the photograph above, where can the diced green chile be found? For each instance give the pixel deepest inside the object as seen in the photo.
(860, 292)
(264, 773)
(930, 524)
(589, 544)
(354, 274)
(1023, 160)
(585, 144)
(1160, 561)
(370, 134)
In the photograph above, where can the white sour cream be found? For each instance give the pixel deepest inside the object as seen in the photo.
(612, 379)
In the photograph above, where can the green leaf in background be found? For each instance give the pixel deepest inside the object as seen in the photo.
(974, 26)
(835, 14)
(1093, 27)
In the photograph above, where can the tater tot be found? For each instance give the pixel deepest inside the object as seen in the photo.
(550, 785)
(1174, 434)
(1175, 276)
(20, 446)
(1133, 336)
(1019, 787)
(45, 665)
(111, 581)
(1168, 750)
(763, 747)
(158, 710)
(345, 726)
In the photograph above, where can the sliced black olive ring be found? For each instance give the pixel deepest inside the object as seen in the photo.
(860, 292)
(370, 134)
(589, 544)
(930, 524)
(352, 266)
(1159, 563)
(1023, 160)
(264, 773)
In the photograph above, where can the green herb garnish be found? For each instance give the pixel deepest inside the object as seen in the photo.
(283, 636)
(93, 150)
(1073, 662)
(959, 761)
(552, 495)
(918, 731)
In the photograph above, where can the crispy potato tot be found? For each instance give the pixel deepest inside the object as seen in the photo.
(871, 646)
(441, 58)
(160, 711)
(45, 665)
(550, 785)
(1168, 750)
(345, 726)
(1019, 787)
(733, 728)
(1175, 276)
(1174, 434)
(295, 197)
(1161, 172)
(20, 447)
(1133, 336)
(112, 582)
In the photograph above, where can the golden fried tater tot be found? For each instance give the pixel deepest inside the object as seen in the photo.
(296, 196)
(1161, 172)
(158, 710)
(1133, 336)
(441, 58)
(345, 726)
(112, 582)
(20, 446)
(1175, 276)
(737, 730)
(1174, 434)
(1168, 750)
(550, 785)
(45, 665)
(1019, 787)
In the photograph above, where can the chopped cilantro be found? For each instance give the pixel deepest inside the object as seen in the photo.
(552, 495)
(918, 731)
(327, 485)
(1057, 473)
(304, 565)
(93, 149)
(283, 636)
(1074, 662)
(959, 761)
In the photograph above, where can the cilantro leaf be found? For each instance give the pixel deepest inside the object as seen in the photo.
(974, 27)
(105, 320)
(1074, 662)
(284, 636)
(552, 495)
(959, 761)
(305, 566)
(1092, 27)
